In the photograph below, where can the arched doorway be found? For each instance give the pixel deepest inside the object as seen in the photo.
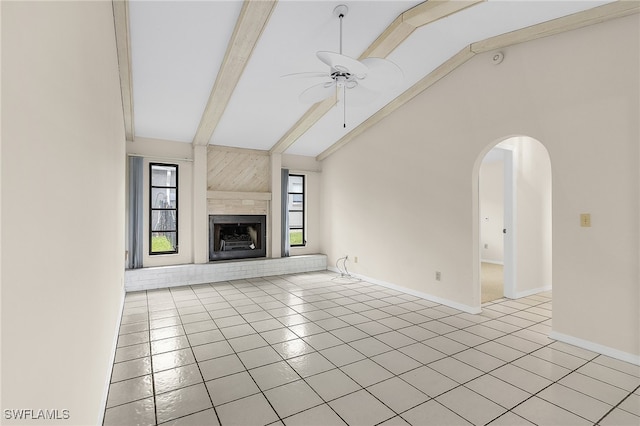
(512, 207)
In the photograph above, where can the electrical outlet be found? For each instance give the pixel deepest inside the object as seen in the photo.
(486, 246)
(355, 259)
(585, 220)
(438, 276)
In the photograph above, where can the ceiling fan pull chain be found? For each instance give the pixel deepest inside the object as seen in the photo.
(344, 106)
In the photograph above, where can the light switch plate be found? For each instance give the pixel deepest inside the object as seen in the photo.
(585, 220)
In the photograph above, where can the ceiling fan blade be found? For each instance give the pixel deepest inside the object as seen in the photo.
(383, 75)
(342, 63)
(318, 92)
(360, 96)
(310, 74)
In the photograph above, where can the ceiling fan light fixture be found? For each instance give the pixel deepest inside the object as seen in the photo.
(363, 78)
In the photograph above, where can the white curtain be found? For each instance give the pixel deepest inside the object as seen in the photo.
(284, 183)
(134, 260)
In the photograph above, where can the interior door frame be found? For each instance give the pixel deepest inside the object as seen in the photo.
(510, 222)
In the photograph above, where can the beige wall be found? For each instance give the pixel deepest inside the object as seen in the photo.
(400, 197)
(491, 183)
(63, 180)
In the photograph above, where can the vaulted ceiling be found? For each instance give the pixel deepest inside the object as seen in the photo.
(211, 72)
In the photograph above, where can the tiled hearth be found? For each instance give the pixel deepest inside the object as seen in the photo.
(170, 276)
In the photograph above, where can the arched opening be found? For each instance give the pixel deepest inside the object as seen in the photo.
(512, 211)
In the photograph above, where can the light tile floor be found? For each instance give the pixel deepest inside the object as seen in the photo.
(308, 349)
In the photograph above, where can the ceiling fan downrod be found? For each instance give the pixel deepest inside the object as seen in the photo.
(342, 78)
(341, 11)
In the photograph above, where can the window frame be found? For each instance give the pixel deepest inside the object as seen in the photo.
(153, 209)
(302, 210)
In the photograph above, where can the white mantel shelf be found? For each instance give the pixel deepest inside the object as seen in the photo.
(238, 195)
(212, 272)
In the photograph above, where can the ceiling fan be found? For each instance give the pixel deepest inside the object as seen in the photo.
(365, 79)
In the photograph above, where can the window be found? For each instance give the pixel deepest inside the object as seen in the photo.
(296, 211)
(163, 211)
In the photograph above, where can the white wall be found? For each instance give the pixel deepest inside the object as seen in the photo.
(534, 215)
(63, 177)
(491, 200)
(401, 195)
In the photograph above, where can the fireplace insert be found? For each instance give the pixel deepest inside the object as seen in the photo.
(237, 236)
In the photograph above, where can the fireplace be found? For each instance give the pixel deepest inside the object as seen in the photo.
(237, 236)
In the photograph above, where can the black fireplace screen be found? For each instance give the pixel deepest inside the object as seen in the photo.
(237, 236)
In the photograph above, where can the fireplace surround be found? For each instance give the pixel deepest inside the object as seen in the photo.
(237, 236)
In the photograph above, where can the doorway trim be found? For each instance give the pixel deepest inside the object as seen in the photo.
(513, 169)
(509, 222)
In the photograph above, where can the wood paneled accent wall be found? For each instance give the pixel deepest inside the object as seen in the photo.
(238, 170)
(238, 181)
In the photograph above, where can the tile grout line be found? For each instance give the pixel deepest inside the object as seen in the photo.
(279, 290)
(153, 382)
(196, 363)
(243, 364)
(618, 405)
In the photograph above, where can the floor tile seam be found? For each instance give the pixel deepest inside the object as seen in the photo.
(131, 402)
(134, 322)
(153, 385)
(248, 371)
(555, 363)
(106, 407)
(496, 402)
(399, 376)
(600, 380)
(201, 377)
(536, 394)
(133, 332)
(439, 403)
(308, 409)
(324, 403)
(567, 409)
(139, 311)
(499, 337)
(383, 403)
(618, 405)
(506, 410)
(132, 359)
(594, 360)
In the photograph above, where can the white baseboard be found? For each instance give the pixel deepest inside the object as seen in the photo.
(532, 291)
(112, 358)
(596, 347)
(440, 300)
(495, 262)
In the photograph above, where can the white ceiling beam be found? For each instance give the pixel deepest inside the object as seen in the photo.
(454, 62)
(596, 15)
(391, 37)
(123, 46)
(251, 22)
